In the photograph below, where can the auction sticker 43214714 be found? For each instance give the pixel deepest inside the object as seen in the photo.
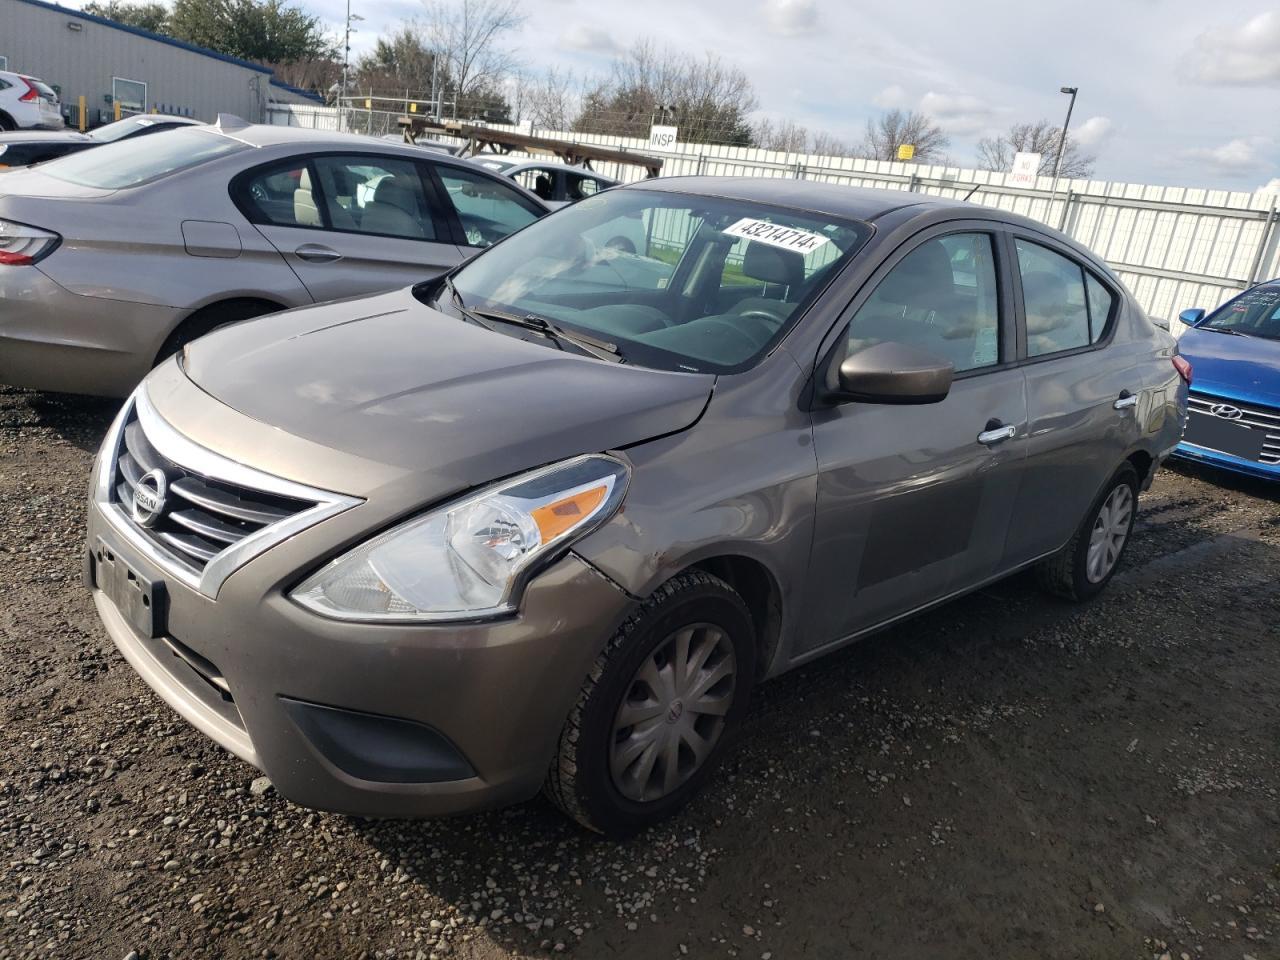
(776, 235)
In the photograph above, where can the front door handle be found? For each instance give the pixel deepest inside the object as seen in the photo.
(1125, 400)
(997, 432)
(317, 253)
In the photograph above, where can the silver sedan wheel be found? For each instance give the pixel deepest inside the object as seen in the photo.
(673, 712)
(1110, 531)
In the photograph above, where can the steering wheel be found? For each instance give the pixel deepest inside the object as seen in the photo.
(259, 193)
(767, 316)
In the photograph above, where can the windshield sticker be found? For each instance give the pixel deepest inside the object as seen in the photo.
(776, 235)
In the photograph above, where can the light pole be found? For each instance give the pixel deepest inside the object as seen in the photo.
(1062, 138)
(346, 50)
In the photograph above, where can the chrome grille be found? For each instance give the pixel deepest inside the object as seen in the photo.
(1255, 417)
(202, 516)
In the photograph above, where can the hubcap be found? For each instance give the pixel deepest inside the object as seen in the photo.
(673, 712)
(1110, 531)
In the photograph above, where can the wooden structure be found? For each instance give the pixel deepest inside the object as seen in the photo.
(505, 141)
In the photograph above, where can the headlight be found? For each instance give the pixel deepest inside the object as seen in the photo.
(467, 559)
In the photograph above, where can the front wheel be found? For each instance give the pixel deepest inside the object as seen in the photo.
(655, 714)
(1086, 564)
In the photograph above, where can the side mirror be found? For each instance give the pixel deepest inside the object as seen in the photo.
(889, 372)
(1160, 322)
(1191, 317)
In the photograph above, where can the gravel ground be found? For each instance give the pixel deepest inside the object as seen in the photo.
(1009, 776)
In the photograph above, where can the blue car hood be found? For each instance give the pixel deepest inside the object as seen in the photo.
(1244, 368)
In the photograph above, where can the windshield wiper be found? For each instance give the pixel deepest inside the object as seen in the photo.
(601, 349)
(467, 313)
(1226, 330)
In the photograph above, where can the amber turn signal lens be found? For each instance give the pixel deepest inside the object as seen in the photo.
(555, 518)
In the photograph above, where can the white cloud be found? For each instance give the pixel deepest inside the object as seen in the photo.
(891, 98)
(792, 17)
(590, 39)
(1235, 156)
(1271, 186)
(1240, 56)
(958, 113)
(1093, 132)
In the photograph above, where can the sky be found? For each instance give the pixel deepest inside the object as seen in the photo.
(1170, 91)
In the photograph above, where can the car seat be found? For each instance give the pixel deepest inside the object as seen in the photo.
(395, 211)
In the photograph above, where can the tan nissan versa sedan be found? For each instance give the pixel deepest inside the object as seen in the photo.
(545, 522)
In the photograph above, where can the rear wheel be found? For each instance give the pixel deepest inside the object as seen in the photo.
(658, 709)
(1086, 564)
(6, 123)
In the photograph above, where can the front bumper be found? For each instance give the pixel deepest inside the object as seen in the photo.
(255, 672)
(1225, 461)
(53, 339)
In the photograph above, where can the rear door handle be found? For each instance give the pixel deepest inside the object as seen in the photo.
(997, 432)
(1125, 400)
(317, 253)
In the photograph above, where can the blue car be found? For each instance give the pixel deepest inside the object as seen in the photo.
(1233, 419)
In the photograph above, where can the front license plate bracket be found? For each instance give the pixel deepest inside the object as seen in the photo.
(141, 601)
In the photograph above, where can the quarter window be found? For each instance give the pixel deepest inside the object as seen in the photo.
(942, 297)
(1056, 304)
(1101, 302)
(489, 209)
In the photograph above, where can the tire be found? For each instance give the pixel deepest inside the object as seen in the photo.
(583, 781)
(208, 319)
(1068, 573)
(6, 123)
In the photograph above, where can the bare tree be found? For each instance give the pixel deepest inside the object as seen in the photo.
(788, 136)
(551, 100)
(467, 35)
(895, 128)
(1040, 137)
(707, 98)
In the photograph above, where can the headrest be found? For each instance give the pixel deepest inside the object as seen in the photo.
(773, 265)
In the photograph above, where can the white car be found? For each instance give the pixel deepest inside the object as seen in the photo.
(28, 104)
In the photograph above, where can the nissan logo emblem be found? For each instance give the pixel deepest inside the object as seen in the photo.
(1226, 411)
(148, 497)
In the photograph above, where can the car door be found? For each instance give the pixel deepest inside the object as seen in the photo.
(350, 224)
(1083, 391)
(486, 208)
(914, 502)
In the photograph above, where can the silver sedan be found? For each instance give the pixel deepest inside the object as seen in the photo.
(113, 259)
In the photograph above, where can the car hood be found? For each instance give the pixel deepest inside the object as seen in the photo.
(1245, 368)
(390, 380)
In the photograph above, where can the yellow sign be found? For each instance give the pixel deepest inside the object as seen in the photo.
(413, 108)
(368, 104)
(906, 151)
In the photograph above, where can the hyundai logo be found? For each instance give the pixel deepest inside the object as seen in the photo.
(148, 497)
(1226, 411)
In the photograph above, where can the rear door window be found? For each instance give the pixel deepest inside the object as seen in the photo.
(381, 195)
(1054, 298)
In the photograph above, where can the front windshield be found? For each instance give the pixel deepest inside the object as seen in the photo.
(677, 282)
(1255, 314)
(127, 163)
